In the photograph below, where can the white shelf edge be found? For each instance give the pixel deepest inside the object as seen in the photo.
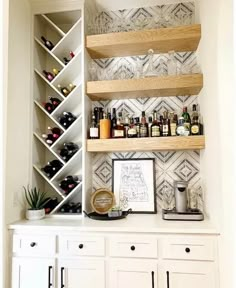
(48, 180)
(49, 148)
(66, 35)
(49, 115)
(49, 52)
(66, 198)
(49, 83)
(53, 25)
(65, 216)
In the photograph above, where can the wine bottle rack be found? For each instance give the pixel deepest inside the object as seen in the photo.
(65, 31)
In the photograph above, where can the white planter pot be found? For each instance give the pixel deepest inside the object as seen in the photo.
(35, 214)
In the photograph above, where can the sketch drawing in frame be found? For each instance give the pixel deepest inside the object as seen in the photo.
(133, 183)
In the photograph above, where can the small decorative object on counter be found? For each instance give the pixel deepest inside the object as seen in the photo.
(102, 200)
(69, 183)
(52, 168)
(68, 151)
(47, 43)
(67, 119)
(115, 212)
(51, 137)
(36, 201)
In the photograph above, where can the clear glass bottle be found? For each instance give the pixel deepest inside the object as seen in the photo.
(143, 126)
(150, 71)
(180, 130)
(172, 64)
(173, 123)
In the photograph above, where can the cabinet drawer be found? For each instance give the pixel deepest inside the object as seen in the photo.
(82, 245)
(137, 247)
(189, 249)
(34, 244)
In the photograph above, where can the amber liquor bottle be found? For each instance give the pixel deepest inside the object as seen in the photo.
(165, 125)
(195, 125)
(143, 126)
(155, 128)
(119, 130)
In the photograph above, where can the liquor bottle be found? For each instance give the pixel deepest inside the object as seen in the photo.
(66, 61)
(172, 63)
(48, 75)
(187, 119)
(126, 125)
(150, 70)
(72, 55)
(143, 126)
(155, 127)
(161, 125)
(93, 130)
(195, 125)
(173, 123)
(132, 131)
(165, 125)
(137, 126)
(71, 87)
(49, 107)
(55, 101)
(55, 71)
(47, 43)
(119, 130)
(63, 90)
(181, 129)
(105, 127)
(113, 120)
(149, 125)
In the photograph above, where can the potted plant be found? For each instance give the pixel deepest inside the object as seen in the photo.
(36, 201)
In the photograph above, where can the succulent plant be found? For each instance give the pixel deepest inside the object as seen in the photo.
(35, 198)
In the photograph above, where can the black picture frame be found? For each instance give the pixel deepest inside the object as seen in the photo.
(151, 203)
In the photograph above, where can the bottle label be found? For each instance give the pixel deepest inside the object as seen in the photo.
(195, 129)
(93, 132)
(180, 130)
(155, 131)
(118, 133)
(143, 131)
(132, 132)
(165, 130)
(187, 125)
(173, 129)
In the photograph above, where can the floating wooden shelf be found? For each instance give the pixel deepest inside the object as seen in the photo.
(147, 144)
(145, 87)
(183, 38)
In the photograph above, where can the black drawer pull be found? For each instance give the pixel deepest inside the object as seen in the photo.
(132, 247)
(62, 279)
(81, 246)
(187, 250)
(33, 244)
(168, 279)
(49, 276)
(153, 282)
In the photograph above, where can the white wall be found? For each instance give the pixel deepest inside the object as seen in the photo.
(216, 55)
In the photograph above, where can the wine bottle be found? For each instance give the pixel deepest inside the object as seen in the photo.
(63, 90)
(47, 43)
(49, 139)
(55, 101)
(66, 61)
(48, 75)
(68, 151)
(71, 87)
(49, 107)
(55, 71)
(56, 132)
(72, 55)
(67, 119)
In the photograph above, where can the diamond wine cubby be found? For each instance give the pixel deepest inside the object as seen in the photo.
(57, 152)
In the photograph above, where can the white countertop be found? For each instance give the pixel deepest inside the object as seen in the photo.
(141, 223)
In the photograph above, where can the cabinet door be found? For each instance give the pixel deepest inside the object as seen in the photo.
(132, 273)
(81, 273)
(185, 274)
(33, 272)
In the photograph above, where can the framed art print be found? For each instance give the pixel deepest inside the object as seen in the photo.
(133, 184)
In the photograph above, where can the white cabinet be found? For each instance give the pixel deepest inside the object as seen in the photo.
(33, 272)
(132, 273)
(81, 273)
(185, 274)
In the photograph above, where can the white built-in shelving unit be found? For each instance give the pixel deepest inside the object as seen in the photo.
(65, 31)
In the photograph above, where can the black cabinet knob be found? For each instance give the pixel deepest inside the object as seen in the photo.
(32, 244)
(81, 246)
(132, 247)
(187, 250)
